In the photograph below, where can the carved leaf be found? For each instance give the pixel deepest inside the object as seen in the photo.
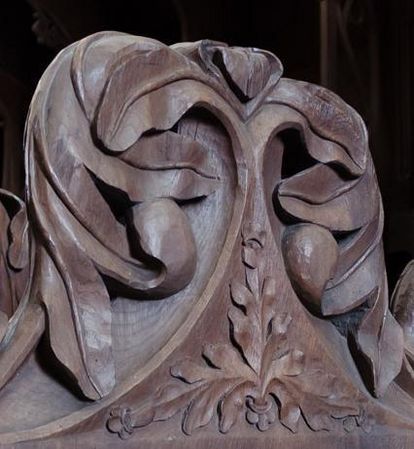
(234, 62)
(307, 185)
(80, 330)
(319, 397)
(246, 329)
(171, 400)
(7, 300)
(27, 334)
(202, 409)
(190, 371)
(116, 125)
(226, 358)
(18, 253)
(403, 307)
(405, 378)
(14, 249)
(180, 183)
(350, 287)
(342, 212)
(332, 119)
(71, 287)
(268, 302)
(276, 346)
(250, 257)
(241, 295)
(290, 412)
(334, 135)
(290, 364)
(210, 386)
(4, 321)
(290, 415)
(232, 407)
(127, 233)
(380, 340)
(153, 226)
(246, 71)
(199, 403)
(167, 151)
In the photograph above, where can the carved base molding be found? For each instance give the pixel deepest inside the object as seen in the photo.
(205, 440)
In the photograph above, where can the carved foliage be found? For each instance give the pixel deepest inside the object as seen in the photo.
(380, 340)
(14, 263)
(106, 202)
(256, 373)
(105, 189)
(333, 250)
(110, 213)
(402, 305)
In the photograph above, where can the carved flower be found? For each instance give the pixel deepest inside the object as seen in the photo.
(262, 415)
(120, 422)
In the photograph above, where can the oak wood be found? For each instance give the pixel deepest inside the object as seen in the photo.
(198, 260)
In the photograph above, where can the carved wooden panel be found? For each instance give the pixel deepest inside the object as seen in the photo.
(198, 260)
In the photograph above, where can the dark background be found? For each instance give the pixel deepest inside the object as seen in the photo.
(361, 49)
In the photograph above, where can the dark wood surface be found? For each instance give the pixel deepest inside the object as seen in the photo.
(198, 261)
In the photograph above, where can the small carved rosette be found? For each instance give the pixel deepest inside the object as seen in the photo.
(201, 244)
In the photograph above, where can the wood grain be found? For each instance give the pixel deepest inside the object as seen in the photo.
(199, 253)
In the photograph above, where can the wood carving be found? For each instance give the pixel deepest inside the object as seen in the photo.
(199, 253)
(250, 374)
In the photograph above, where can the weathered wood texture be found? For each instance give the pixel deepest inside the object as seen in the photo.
(198, 261)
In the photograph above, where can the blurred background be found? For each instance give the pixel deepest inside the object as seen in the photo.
(361, 49)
